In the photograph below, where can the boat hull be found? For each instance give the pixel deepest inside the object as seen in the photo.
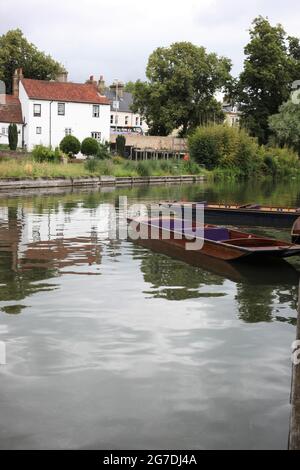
(246, 217)
(235, 245)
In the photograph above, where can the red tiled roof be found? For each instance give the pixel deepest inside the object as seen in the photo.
(58, 91)
(11, 111)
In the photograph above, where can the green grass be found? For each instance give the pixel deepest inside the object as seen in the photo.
(28, 168)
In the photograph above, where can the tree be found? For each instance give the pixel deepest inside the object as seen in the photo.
(120, 145)
(16, 51)
(270, 68)
(286, 125)
(12, 136)
(70, 145)
(129, 86)
(179, 93)
(89, 147)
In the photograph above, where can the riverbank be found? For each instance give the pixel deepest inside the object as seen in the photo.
(22, 183)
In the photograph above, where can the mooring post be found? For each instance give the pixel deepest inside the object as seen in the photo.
(294, 437)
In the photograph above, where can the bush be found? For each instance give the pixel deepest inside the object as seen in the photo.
(70, 145)
(120, 145)
(227, 147)
(91, 165)
(89, 147)
(103, 152)
(40, 153)
(12, 136)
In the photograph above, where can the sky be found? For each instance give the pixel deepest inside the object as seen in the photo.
(115, 38)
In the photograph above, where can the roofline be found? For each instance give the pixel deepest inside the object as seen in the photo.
(68, 101)
(11, 122)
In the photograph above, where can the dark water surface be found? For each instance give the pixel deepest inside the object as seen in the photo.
(110, 345)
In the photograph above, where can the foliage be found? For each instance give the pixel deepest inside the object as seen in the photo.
(40, 153)
(70, 145)
(286, 125)
(103, 151)
(129, 87)
(271, 66)
(91, 165)
(12, 136)
(120, 145)
(16, 51)
(179, 93)
(89, 147)
(228, 148)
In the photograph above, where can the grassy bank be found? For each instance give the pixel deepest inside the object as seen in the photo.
(29, 168)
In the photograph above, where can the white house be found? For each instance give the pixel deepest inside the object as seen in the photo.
(53, 109)
(10, 113)
(122, 119)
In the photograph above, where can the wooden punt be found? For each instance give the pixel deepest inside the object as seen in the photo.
(217, 242)
(246, 214)
(296, 231)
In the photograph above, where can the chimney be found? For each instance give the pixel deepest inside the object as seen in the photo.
(18, 75)
(62, 77)
(118, 88)
(101, 85)
(91, 81)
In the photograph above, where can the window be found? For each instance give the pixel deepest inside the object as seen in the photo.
(96, 110)
(38, 130)
(126, 120)
(68, 131)
(4, 130)
(116, 119)
(96, 135)
(37, 110)
(141, 121)
(136, 121)
(111, 118)
(61, 109)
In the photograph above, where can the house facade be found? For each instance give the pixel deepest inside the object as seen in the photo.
(232, 114)
(10, 113)
(122, 119)
(50, 110)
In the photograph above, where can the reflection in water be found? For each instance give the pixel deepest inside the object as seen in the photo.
(110, 339)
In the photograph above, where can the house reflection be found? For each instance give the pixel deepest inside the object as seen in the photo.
(35, 247)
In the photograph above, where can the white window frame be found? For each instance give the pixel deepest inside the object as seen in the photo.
(38, 130)
(96, 110)
(36, 113)
(96, 135)
(61, 109)
(68, 131)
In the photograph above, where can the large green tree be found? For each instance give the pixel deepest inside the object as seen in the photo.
(179, 93)
(16, 51)
(286, 125)
(270, 68)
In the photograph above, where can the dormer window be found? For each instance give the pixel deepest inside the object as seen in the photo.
(61, 109)
(96, 110)
(37, 110)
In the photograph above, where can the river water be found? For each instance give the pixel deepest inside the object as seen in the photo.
(110, 345)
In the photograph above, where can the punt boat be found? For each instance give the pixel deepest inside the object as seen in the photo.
(246, 214)
(296, 231)
(211, 240)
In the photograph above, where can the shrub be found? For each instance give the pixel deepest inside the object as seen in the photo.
(227, 147)
(12, 136)
(103, 152)
(120, 145)
(143, 168)
(70, 145)
(89, 147)
(40, 153)
(91, 165)
(118, 160)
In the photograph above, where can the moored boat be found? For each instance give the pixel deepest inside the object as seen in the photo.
(245, 214)
(211, 240)
(296, 231)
